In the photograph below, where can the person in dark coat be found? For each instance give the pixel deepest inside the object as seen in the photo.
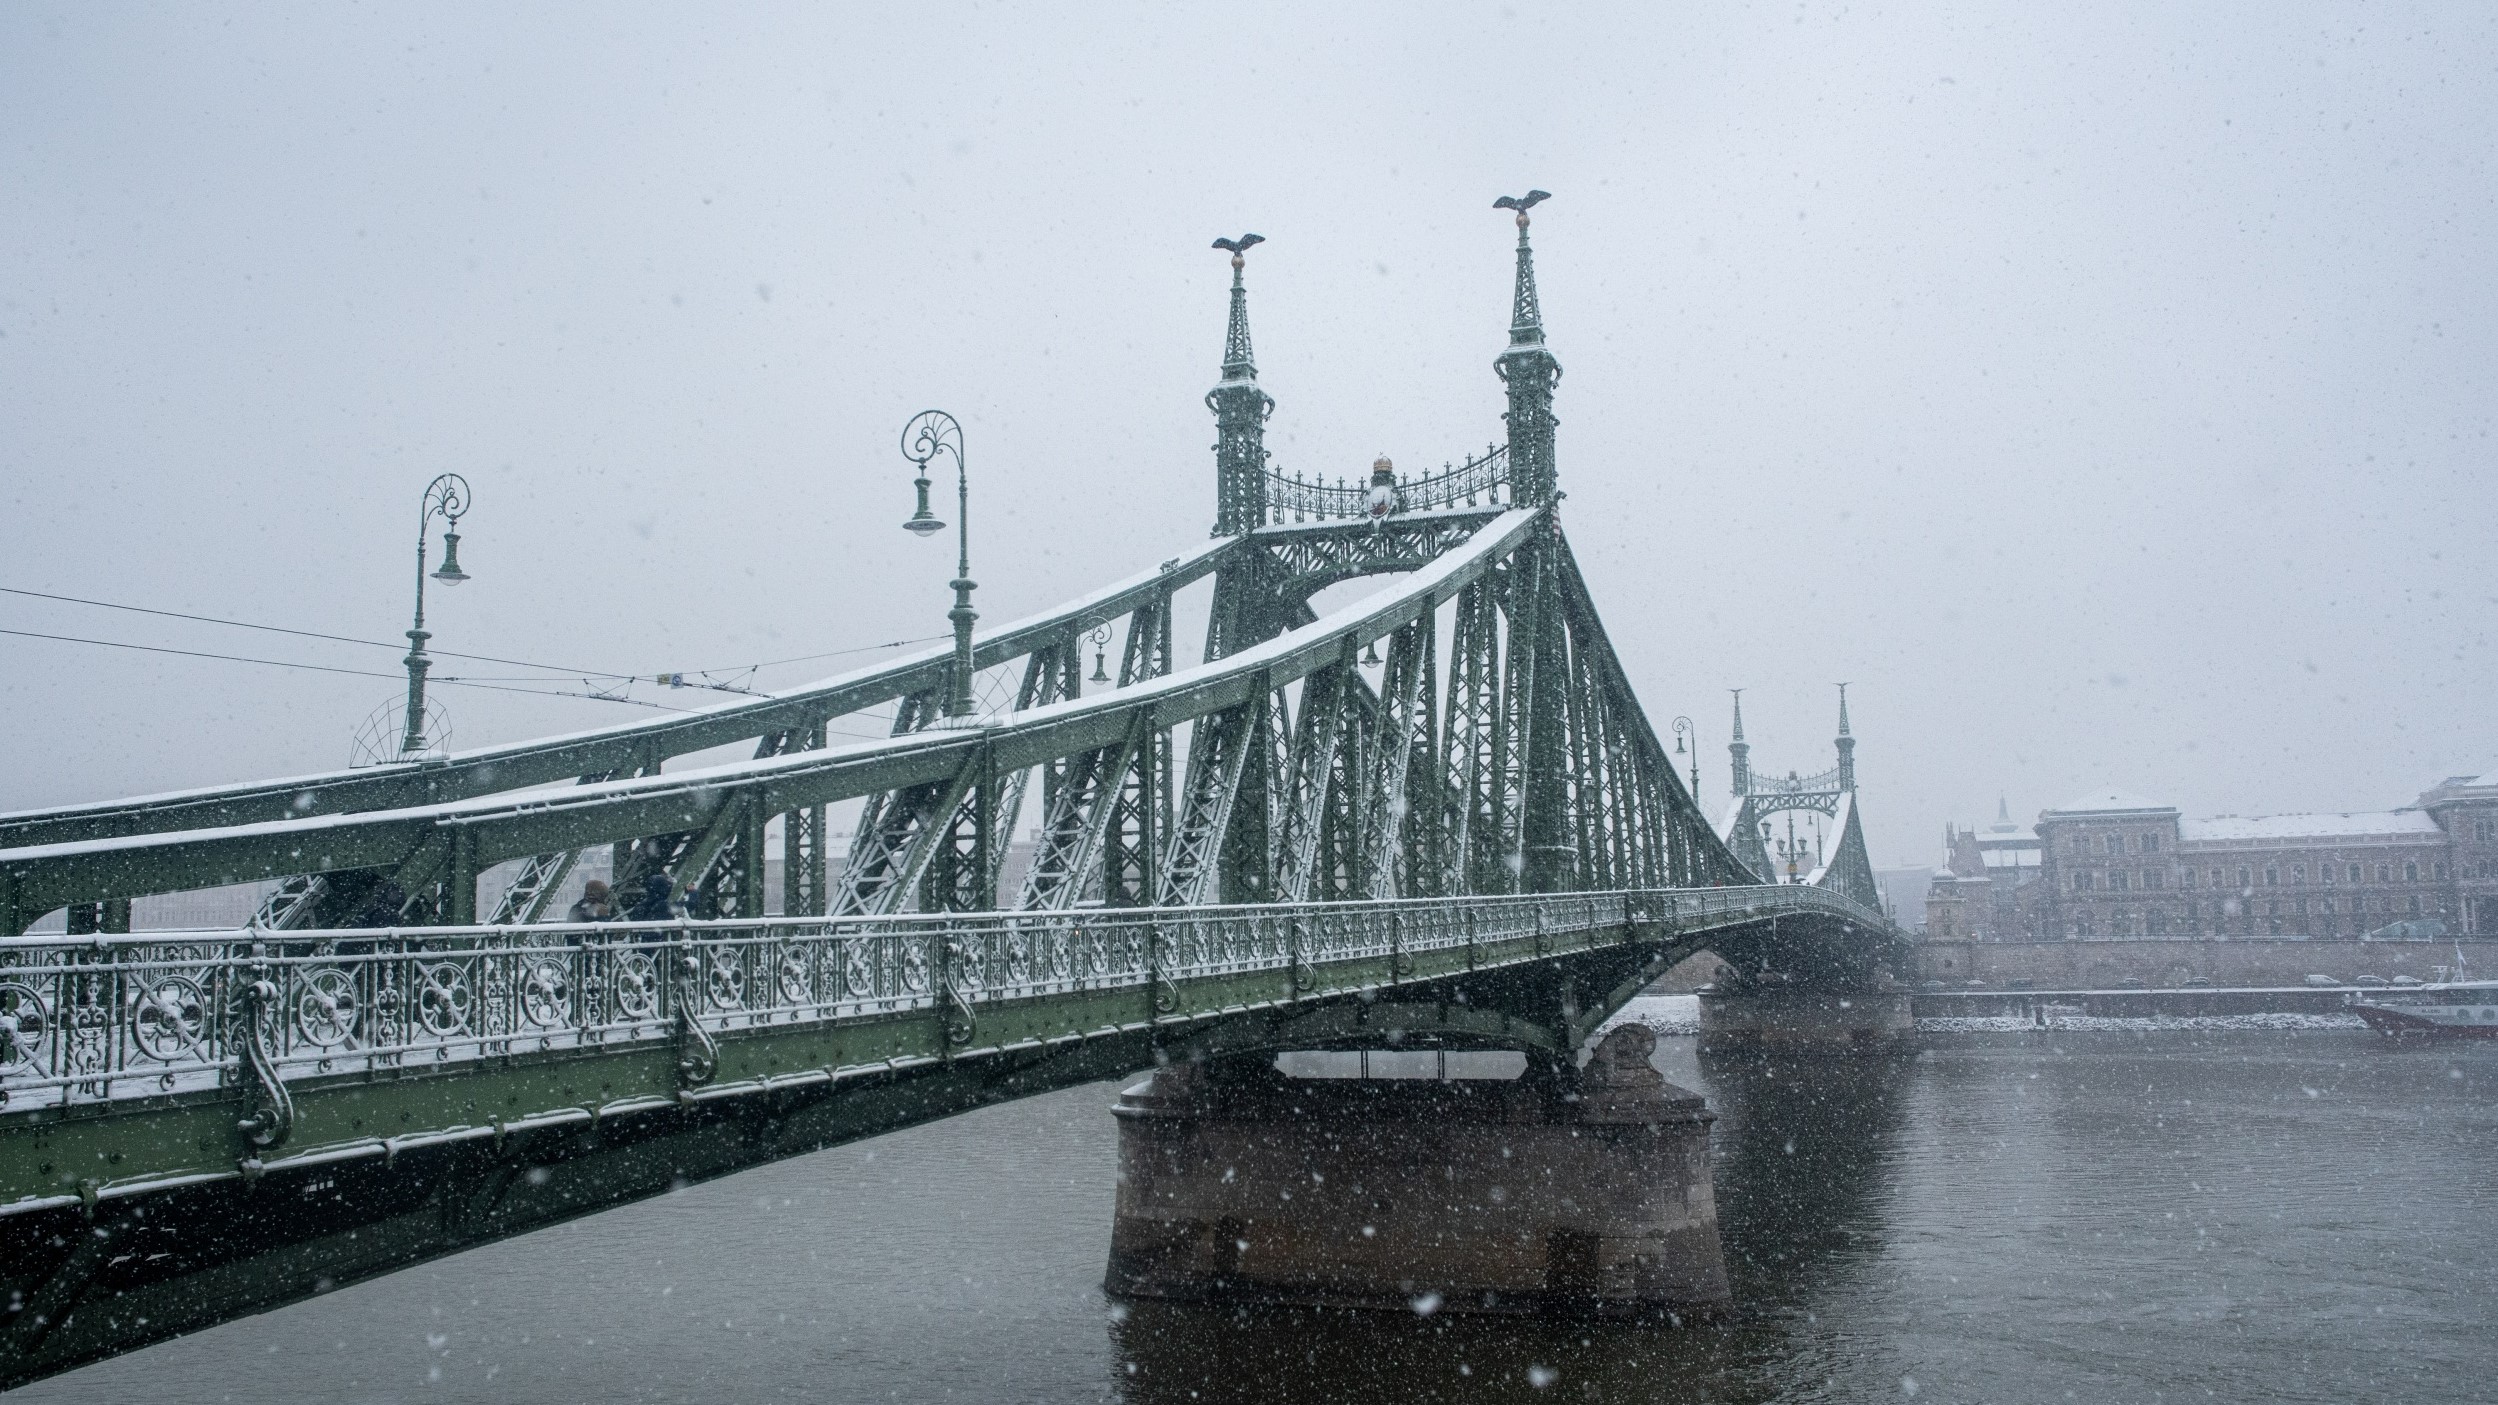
(594, 905)
(381, 906)
(653, 906)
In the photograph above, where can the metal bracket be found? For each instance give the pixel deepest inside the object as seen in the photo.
(273, 1115)
(698, 1057)
(954, 1012)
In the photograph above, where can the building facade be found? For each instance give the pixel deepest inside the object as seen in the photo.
(2110, 865)
(1986, 888)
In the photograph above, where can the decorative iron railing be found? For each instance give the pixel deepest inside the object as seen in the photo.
(1478, 482)
(99, 1019)
(1820, 783)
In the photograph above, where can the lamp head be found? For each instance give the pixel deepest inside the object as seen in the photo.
(923, 521)
(449, 572)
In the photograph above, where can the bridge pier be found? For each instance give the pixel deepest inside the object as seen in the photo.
(1763, 1017)
(1573, 1192)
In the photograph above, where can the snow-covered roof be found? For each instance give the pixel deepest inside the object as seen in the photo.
(2107, 798)
(2010, 858)
(2365, 824)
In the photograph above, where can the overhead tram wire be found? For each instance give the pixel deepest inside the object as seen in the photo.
(328, 668)
(369, 673)
(586, 675)
(301, 633)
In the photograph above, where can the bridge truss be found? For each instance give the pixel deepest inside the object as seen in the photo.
(1435, 813)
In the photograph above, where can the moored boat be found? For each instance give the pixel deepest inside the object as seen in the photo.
(2443, 1009)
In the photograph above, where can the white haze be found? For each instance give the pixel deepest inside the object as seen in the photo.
(2104, 390)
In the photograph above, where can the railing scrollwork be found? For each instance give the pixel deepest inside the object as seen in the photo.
(1478, 481)
(88, 1021)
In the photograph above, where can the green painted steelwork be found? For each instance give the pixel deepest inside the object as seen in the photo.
(1486, 843)
(417, 1125)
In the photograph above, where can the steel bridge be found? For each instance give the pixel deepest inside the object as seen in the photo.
(1436, 816)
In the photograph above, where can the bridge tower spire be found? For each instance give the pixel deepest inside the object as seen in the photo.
(1530, 372)
(1740, 751)
(1240, 410)
(1847, 746)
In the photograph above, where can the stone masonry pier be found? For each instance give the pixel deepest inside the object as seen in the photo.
(1543, 1193)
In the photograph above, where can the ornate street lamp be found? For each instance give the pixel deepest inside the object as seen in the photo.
(447, 498)
(1683, 727)
(930, 433)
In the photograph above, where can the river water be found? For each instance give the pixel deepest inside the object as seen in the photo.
(2038, 1216)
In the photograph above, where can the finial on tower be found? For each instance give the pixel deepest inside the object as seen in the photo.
(1240, 410)
(1238, 365)
(1847, 746)
(1526, 314)
(1740, 751)
(1530, 372)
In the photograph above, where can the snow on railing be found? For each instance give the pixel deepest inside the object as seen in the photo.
(96, 1019)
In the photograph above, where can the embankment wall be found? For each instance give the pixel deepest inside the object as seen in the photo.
(2234, 962)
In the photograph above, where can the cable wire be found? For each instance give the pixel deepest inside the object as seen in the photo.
(326, 668)
(440, 653)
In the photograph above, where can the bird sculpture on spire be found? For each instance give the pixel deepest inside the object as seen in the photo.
(1522, 203)
(1239, 246)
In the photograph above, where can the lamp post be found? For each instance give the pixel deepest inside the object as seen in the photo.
(447, 498)
(1683, 728)
(930, 433)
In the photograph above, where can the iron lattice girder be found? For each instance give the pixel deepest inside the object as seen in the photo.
(37, 879)
(1612, 807)
(1308, 559)
(621, 750)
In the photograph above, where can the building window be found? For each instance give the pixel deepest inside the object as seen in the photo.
(2485, 830)
(2324, 873)
(2298, 874)
(2081, 883)
(2412, 904)
(2246, 876)
(2113, 844)
(2411, 871)
(2185, 878)
(2153, 879)
(2352, 873)
(2438, 872)
(2272, 875)
(2116, 881)
(2385, 873)
(2158, 924)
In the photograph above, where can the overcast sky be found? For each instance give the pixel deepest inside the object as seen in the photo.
(2106, 391)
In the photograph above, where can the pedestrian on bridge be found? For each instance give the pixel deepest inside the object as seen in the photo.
(594, 905)
(653, 906)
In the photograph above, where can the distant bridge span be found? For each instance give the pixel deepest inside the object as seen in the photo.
(1483, 845)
